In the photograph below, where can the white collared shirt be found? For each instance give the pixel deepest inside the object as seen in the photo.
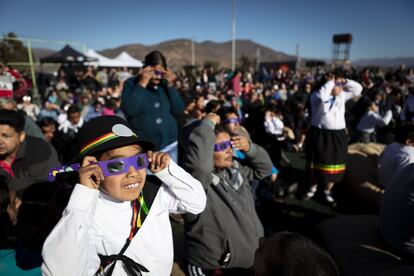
(371, 120)
(395, 157)
(328, 112)
(93, 224)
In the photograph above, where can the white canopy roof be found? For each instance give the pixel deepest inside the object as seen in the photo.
(127, 60)
(122, 60)
(102, 60)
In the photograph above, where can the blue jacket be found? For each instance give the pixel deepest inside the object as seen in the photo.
(152, 112)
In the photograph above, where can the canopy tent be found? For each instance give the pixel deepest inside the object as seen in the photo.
(67, 55)
(127, 60)
(103, 61)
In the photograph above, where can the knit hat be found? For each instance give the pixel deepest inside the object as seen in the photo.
(107, 132)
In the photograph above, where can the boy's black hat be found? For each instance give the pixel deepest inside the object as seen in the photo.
(105, 133)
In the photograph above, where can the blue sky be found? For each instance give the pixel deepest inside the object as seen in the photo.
(381, 28)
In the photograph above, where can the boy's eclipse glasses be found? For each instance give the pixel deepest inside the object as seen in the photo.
(109, 167)
(232, 121)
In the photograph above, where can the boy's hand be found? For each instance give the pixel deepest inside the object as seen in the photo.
(158, 161)
(90, 174)
(240, 143)
(336, 91)
(213, 117)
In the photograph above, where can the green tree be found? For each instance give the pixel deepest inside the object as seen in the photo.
(210, 63)
(246, 62)
(12, 50)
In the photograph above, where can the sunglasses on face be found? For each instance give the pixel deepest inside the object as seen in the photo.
(222, 146)
(232, 121)
(159, 73)
(109, 167)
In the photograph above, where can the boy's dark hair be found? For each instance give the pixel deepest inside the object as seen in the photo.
(294, 255)
(212, 105)
(12, 118)
(369, 104)
(155, 58)
(189, 96)
(47, 121)
(339, 73)
(73, 109)
(273, 108)
(404, 133)
(220, 129)
(224, 111)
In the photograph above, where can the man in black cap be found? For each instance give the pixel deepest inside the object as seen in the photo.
(117, 219)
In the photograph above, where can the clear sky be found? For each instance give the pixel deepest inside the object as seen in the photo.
(380, 28)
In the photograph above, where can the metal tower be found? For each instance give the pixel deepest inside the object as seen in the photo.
(341, 49)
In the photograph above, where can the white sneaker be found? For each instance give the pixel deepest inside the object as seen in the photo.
(329, 198)
(311, 191)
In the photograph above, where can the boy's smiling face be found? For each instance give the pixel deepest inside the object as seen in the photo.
(126, 186)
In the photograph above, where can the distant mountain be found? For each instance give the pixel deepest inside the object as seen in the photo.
(385, 62)
(39, 53)
(178, 52)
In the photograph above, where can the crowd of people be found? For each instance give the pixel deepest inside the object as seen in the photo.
(197, 144)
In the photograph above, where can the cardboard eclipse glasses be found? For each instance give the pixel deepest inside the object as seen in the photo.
(109, 167)
(222, 146)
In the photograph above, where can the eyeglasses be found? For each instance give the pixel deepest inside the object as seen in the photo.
(159, 73)
(109, 167)
(232, 121)
(339, 83)
(222, 146)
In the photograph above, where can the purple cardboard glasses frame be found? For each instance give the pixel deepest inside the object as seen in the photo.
(232, 121)
(222, 146)
(109, 167)
(340, 83)
(159, 73)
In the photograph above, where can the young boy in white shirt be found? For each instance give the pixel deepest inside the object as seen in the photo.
(396, 156)
(370, 121)
(117, 219)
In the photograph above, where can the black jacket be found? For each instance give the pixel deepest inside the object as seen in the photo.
(34, 159)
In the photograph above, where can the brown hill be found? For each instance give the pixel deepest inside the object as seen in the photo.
(39, 53)
(178, 52)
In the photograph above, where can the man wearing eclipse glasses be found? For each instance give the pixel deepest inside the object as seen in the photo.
(117, 219)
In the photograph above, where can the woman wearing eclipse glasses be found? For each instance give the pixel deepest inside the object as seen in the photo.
(152, 104)
(117, 218)
(225, 236)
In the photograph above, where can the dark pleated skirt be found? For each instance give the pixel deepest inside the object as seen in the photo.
(326, 152)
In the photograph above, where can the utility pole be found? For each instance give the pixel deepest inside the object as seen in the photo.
(36, 95)
(192, 52)
(233, 35)
(297, 57)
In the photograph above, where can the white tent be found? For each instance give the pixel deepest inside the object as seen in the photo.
(103, 61)
(127, 60)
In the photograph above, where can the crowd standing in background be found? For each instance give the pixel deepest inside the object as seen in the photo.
(230, 130)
